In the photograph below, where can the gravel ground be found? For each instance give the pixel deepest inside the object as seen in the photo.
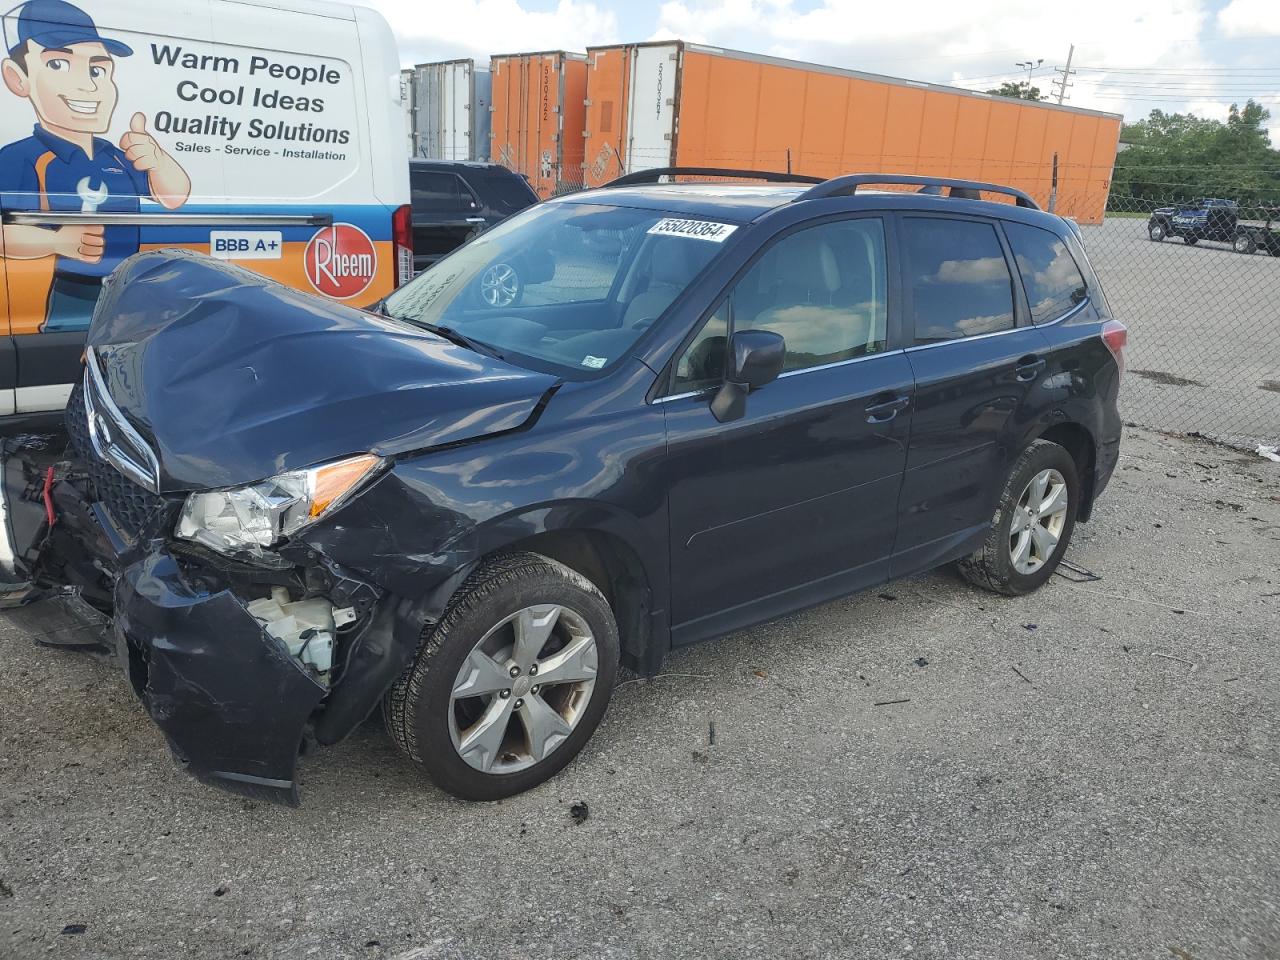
(923, 771)
(1204, 338)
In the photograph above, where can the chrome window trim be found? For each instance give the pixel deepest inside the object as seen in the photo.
(1000, 333)
(49, 218)
(788, 373)
(976, 336)
(1070, 313)
(682, 396)
(837, 363)
(146, 475)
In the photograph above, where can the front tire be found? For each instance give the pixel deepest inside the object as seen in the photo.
(511, 682)
(1156, 232)
(1032, 524)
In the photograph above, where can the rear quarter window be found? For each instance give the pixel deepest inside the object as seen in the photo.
(507, 193)
(1050, 276)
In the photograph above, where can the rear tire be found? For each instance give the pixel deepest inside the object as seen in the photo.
(470, 711)
(1000, 566)
(1190, 241)
(1244, 243)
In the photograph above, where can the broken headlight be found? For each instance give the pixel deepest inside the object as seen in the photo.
(249, 519)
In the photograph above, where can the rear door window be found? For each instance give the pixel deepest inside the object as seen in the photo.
(960, 280)
(1050, 276)
(434, 192)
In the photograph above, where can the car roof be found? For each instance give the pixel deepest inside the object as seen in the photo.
(461, 166)
(745, 202)
(735, 202)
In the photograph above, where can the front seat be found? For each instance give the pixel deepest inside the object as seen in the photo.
(808, 306)
(669, 273)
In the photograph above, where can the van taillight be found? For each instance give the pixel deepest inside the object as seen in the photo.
(402, 237)
(1116, 336)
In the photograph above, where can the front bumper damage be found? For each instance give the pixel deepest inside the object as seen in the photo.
(230, 690)
(232, 701)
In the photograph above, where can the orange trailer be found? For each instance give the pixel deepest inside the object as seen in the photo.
(671, 103)
(537, 112)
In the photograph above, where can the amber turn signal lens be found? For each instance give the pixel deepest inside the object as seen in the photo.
(335, 480)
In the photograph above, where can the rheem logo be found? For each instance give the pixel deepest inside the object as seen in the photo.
(340, 261)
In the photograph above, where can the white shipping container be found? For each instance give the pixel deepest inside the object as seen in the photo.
(406, 104)
(651, 109)
(451, 111)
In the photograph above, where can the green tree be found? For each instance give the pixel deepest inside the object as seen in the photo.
(1175, 157)
(1020, 90)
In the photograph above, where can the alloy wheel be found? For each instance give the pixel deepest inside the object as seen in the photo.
(523, 688)
(1038, 521)
(500, 285)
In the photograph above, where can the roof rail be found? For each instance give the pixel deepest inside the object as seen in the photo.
(653, 176)
(847, 186)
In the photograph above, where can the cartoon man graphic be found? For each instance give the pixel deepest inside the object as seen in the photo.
(66, 69)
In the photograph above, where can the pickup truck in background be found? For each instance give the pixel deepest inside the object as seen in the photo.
(1206, 218)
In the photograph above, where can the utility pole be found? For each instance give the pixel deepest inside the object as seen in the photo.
(1063, 83)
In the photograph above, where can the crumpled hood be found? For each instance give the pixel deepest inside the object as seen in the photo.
(235, 378)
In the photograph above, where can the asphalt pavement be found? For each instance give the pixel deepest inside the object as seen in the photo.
(923, 770)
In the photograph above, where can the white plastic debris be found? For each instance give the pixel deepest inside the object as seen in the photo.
(1270, 453)
(306, 627)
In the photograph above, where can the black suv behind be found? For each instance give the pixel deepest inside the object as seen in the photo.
(454, 200)
(703, 406)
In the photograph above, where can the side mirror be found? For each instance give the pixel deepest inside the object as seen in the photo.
(755, 358)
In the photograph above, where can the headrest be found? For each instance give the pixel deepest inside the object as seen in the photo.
(809, 261)
(668, 263)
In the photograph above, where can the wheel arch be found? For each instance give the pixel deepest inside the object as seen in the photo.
(619, 572)
(602, 545)
(1078, 441)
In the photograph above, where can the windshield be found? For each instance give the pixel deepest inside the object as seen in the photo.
(572, 285)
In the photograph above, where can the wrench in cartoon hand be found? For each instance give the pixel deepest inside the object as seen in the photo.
(90, 199)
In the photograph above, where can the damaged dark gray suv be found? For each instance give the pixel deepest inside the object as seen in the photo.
(625, 420)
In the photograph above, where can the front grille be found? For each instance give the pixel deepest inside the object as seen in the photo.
(129, 505)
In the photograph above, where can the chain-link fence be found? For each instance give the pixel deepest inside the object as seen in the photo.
(1198, 284)
(1197, 281)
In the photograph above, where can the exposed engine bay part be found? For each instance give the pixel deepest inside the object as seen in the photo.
(306, 627)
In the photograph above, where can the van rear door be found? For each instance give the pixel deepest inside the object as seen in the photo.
(241, 130)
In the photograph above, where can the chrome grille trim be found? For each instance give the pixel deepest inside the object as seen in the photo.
(114, 439)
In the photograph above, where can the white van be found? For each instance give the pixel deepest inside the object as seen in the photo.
(264, 132)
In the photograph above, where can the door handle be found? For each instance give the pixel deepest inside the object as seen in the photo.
(885, 410)
(1029, 368)
(475, 220)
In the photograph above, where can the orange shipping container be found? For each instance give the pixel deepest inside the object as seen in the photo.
(681, 104)
(537, 107)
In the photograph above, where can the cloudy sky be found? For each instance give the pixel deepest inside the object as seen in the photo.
(1133, 56)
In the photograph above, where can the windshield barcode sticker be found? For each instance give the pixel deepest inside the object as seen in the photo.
(693, 229)
(595, 363)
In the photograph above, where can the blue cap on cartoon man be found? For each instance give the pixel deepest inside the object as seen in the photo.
(64, 68)
(56, 23)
